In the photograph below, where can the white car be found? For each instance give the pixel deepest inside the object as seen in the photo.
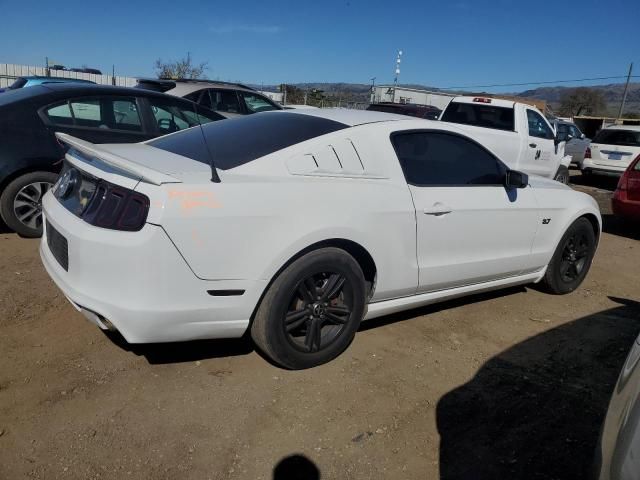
(612, 150)
(297, 225)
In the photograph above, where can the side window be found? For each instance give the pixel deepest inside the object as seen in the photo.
(87, 113)
(171, 118)
(59, 114)
(538, 127)
(225, 101)
(436, 159)
(125, 115)
(573, 130)
(256, 103)
(103, 113)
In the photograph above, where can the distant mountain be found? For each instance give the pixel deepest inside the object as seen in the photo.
(360, 92)
(612, 94)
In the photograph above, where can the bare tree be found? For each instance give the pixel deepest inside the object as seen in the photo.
(183, 68)
(582, 100)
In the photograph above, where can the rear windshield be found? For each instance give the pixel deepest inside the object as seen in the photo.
(488, 116)
(626, 138)
(19, 83)
(237, 141)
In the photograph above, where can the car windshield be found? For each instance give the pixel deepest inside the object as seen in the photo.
(237, 141)
(626, 138)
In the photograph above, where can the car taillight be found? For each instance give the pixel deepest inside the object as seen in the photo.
(624, 179)
(116, 208)
(587, 153)
(623, 183)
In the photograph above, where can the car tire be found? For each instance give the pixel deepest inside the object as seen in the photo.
(562, 175)
(572, 259)
(21, 202)
(312, 310)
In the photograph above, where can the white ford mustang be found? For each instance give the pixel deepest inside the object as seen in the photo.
(297, 225)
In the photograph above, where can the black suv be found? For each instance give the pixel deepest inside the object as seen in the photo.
(30, 157)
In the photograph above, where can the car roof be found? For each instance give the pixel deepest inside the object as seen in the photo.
(82, 89)
(347, 116)
(183, 88)
(59, 90)
(495, 102)
(634, 128)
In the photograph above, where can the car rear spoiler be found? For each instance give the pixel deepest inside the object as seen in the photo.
(145, 174)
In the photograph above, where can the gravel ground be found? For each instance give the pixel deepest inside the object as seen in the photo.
(512, 384)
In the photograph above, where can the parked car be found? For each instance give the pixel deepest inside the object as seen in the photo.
(626, 198)
(515, 132)
(93, 71)
(231, 99)
(413, 110)
(30, 157)
(298, 224)
(612, 150)
(23, 82)
(155, 84)
(577, 142)
(618, 451)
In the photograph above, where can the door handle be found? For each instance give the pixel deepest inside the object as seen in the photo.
(437, 209)
(533, 145)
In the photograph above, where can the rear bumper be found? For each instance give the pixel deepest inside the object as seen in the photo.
(589, 164)
(139, 283)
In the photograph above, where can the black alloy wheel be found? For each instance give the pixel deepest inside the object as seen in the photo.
(572, 259)
(574, 256)
(312, 309)
(319, 309)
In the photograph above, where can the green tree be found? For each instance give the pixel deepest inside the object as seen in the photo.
(582, 101)
(183, 68)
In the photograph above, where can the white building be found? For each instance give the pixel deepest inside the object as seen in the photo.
(275, 96)
(385, 93)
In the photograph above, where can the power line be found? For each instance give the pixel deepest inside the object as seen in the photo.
(537, 83)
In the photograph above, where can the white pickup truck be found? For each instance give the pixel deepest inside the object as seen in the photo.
(516, 133)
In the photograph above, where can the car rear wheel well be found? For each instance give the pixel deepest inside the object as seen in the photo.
(18, 173)
(593, 220)
(357, 251)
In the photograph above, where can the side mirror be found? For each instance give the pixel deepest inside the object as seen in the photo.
(569, 137)
(582, 136)
(516, 179)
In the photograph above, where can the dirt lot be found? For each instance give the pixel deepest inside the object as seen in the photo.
(509, 385)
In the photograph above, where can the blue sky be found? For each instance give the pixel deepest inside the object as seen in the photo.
(445, 44)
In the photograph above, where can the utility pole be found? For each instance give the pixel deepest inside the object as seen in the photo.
(624, 95)
(46, 67)
(284, 95)
(113, 75)
(395, 79)
(373, 90)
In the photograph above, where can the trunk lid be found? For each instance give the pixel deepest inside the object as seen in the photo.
(134, 160)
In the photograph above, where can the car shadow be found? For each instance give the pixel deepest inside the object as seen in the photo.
(620, 227)
(535, 410)
(180, 352)
(603, 182)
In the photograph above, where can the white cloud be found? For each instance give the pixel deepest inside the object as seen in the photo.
(245, 28)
